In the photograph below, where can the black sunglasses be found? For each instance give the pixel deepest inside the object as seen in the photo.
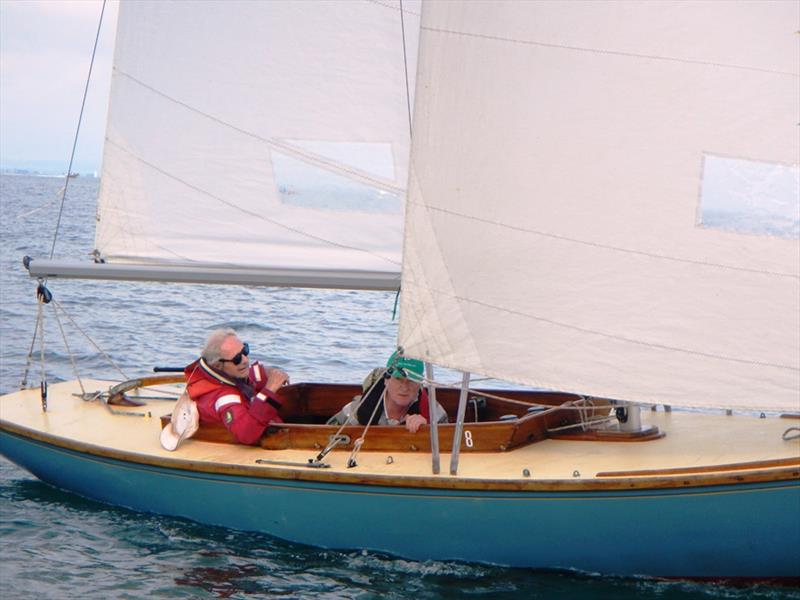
(237, 358)
(391, 371)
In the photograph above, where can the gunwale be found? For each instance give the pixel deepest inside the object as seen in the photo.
(766, 474)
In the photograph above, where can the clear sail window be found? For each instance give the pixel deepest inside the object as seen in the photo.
(749, 196)
(334, 176)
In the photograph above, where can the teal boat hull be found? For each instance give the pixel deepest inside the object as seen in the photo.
(729, 531)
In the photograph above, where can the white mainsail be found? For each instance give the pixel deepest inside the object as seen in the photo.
(561, 165)
(258, 136)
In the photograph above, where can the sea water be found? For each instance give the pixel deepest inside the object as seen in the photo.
(57, 545)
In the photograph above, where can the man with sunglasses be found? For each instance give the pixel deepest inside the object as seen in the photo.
(228, 388)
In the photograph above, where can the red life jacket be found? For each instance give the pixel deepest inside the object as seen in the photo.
(246, 408)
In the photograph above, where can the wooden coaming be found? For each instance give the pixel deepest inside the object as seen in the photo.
(306, 402)
(307, 407)
(610, 435)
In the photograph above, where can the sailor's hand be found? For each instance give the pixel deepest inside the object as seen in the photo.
(414, 422)
(276, 379)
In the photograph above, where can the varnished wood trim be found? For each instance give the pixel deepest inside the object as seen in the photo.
(116, 395)
(149, 380)
(745, 466)
(486, 437)
(306, 406)
(492, 436)
(600, 435)
(790, 416)
(790, 475)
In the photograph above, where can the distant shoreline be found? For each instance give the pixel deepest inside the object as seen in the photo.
(37, 173)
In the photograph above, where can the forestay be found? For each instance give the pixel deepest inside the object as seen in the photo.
(603, 199)
(258, 135)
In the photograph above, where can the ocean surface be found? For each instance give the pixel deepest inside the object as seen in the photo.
(57, 545)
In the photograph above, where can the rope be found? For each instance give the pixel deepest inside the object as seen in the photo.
(351, 462)
(69, 352)
(86, 335)
(77, 131)
(173, 393)
(24, 383)
(788, 437)
(44, 205)
(484, 394)
(583, 416)
(358, 443)
(43, 381)
(396, 300)
(335, 439)
(584, 424)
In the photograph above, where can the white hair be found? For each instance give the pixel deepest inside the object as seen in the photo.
(212, 351)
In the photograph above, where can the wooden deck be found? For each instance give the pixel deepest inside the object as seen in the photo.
(698, 448)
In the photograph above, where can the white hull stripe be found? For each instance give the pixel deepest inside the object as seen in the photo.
(224, 401)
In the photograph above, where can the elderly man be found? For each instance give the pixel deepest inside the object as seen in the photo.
(228, 388)
(392, 396)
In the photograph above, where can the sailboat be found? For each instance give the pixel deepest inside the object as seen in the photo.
(559, 230)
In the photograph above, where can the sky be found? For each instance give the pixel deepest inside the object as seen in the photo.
(45, 51)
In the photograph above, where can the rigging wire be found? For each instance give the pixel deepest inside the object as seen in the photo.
(38, 331)
(569, 405)
(43, 382)
(351, 462)
(77, 130)
(408, 110)
(337, 438)
(24, 383)
(42, 206)
(69, 353)
(86, 335)
(405, 65)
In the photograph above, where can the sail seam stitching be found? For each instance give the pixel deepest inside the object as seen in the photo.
(248, 212)
(420, 317)
(614, 336)
(607, 247)
(395, 8)
(691, 61)
(609, 52)
(304, 155)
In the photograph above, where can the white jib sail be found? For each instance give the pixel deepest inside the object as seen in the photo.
(603, 199)
(258, 135)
